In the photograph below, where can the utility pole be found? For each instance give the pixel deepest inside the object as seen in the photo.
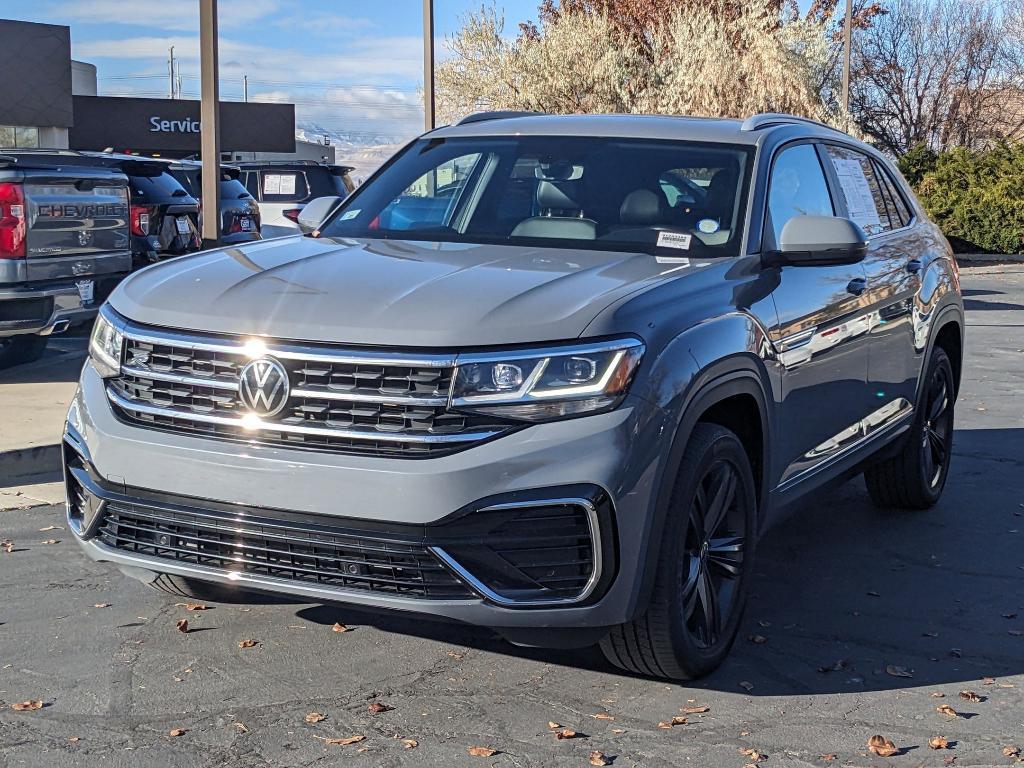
(847, 44)
(177, 76)
(170, 74)
(245, 87)
(428, 65)
(209, 120)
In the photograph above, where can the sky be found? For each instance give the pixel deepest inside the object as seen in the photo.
(352, 67)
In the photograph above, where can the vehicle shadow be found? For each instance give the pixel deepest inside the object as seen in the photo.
(850, 598)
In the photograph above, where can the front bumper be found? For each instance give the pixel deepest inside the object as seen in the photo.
(608, 460)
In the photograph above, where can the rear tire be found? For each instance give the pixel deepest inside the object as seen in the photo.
(914, 478)
(704, 564)
(17, 350)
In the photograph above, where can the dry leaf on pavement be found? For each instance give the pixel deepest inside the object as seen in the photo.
(553, 724)
(192, 606)
(753, 754)
(694, 710)
(971, 696)
(248, 643)
(377, 707)
(343, 742)
(27, 706)
(881, 746)
(339, 627)
(945, 709)
(101, 605)
(482, 752)
(1011, 751)
(938, 695)
(829, 757)
(182, 625)
(599, 758)
(51, 528)
(938, 742)
(565, 733)
(174, 732)
(50, 541)
(409, 743)
(315, 717)
(603, 716)
(892, 669)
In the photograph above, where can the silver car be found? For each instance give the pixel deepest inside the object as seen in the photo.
(550, 375)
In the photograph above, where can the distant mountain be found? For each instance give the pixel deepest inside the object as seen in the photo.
(365, 152)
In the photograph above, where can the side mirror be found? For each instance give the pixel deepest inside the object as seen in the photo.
(316, 212)
(813, 241)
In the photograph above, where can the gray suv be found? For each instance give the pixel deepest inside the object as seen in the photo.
(549, 375)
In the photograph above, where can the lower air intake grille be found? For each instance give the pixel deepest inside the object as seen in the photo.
(296, 552)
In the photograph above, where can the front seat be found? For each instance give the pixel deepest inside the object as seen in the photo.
(560, 214)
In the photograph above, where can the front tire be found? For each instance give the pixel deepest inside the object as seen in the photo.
(914, 478)
(704, 564)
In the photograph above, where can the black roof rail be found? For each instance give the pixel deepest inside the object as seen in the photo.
(498, 114)
(768, 119)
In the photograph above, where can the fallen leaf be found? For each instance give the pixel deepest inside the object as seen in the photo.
(315, 717)
(377, 707)
(758, 639)
(603, 716)
(829, 757)
(59, 528)
(102, 605)
(699, 710)
(945, 709)
(553, 724)
(182, 625)
(241, 728)
(175, 732)
(343, 742)
(50, 541)
(565, 733)
(27, 706)
(881, 746)
(455, 655)
(746, 686)
(248, 643)
(1011, 751)
(599, 758)
(193, 606)
(482, 752)
(971, 696)
(618, 730)
(409, 743)
(8, 545)
(892, 669)
(938, 742)
(938, 695)
(664, 724)
(753, 754)
(73, 739)
(339, 627)
(988, 681)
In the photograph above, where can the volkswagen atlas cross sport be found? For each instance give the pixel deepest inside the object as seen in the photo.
(551, 375)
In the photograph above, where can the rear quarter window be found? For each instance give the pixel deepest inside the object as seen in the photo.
(232, 189)
(159, 189)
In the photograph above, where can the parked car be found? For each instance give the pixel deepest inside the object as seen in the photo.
(546, 401)
(239, 212)
(284, 187)
(164, 216)
(63, 247)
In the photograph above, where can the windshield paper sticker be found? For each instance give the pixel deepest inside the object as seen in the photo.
(351, 214)
(857, 191)
(674, 240)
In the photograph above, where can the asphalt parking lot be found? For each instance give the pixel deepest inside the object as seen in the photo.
(862, 623)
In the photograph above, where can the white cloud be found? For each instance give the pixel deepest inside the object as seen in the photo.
(171, 15)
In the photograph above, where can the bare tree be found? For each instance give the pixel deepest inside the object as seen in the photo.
(935, 72)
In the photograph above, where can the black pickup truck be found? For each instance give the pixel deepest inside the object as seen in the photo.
(64, 246)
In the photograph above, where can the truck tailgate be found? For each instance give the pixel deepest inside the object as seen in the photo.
(75, 223)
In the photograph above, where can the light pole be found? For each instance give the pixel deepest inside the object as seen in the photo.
(209, 145)
(847, 39)
(428, 65)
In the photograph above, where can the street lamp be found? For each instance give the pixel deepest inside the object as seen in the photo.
(847, 35)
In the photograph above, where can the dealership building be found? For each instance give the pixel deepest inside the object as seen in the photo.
(49, 100)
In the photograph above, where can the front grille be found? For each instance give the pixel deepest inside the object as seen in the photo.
(351, 402)
(292, 551)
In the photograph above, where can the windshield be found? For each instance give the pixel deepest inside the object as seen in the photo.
(565, 192)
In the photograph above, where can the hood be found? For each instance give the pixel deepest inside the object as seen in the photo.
(387, 292)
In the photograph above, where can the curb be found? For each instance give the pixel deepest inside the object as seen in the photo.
(989, 258)
(21, 464)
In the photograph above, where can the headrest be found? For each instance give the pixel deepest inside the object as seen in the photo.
(643, 207)
(559, 195)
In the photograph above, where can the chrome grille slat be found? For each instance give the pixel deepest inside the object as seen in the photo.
(343, 401)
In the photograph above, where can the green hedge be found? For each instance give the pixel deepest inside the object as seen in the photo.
(976, 197)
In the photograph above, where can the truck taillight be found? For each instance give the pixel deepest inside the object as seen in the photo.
(12, 221)
(140, 220)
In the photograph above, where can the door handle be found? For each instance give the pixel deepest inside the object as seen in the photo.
(914, 266)
(857, 286)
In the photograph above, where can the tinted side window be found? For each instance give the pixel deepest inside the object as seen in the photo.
(232, 189)
(322, 183)
(797, 187)
(901, 211)
(251, 179)
(157, 189)
(865, 202)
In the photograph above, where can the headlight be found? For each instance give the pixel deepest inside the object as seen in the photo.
(545, 384)
(105, 346)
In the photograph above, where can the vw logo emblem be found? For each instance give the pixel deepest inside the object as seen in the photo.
(263, 387)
